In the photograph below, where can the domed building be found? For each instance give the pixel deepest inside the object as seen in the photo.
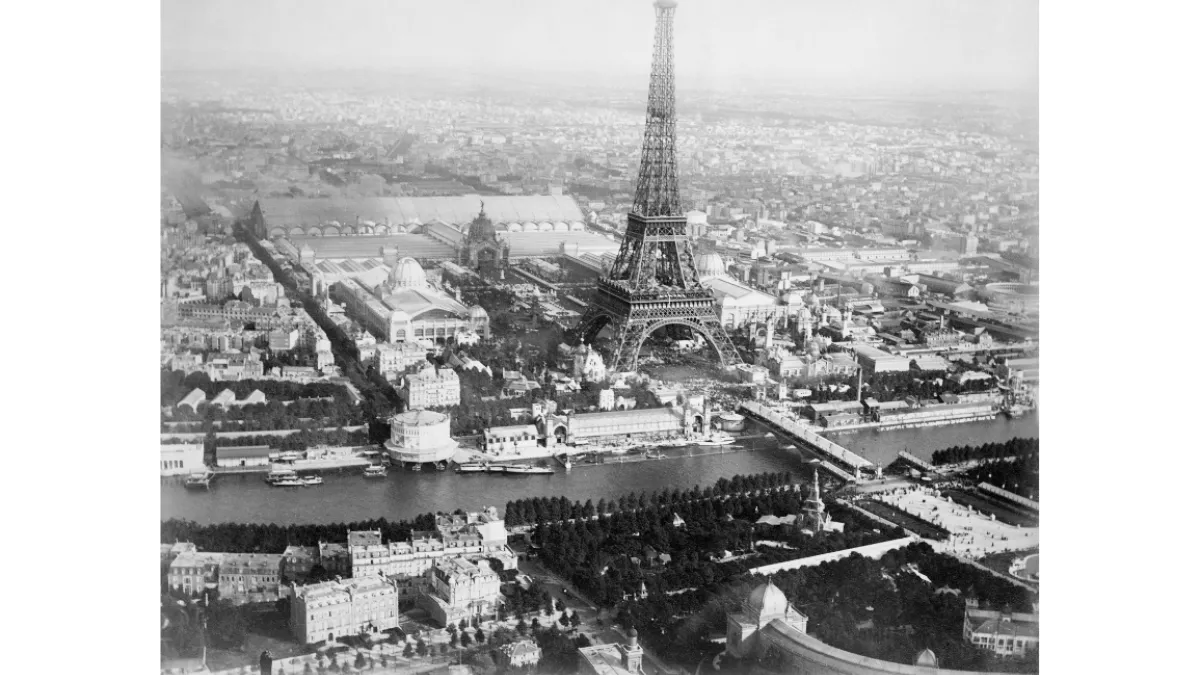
(407, 273)
(419, 437)
(406, 308)
(764, 605)
(709, 265)
(737, 303)
(769, 625)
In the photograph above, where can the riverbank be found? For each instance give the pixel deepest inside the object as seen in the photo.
(347, 497)
(898, 426)
(468, 454)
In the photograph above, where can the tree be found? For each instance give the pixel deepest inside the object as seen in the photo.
(564, 620)
(360, 661)
(558, 604)
(462, 625)
(575, 620)
(408, 650)
(523, 627)
(454, 639)
(479, 636)
(466, 639)
(422, 648)
(227, 625)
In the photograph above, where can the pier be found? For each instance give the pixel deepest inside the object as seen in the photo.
(917, 463)
(848, 465)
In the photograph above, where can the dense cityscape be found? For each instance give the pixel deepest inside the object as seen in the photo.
(473, 379)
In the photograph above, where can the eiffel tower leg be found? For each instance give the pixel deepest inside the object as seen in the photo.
(629, 338)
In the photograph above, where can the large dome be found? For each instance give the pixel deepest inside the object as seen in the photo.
(767, 600)
(408, 274)
(710, 265)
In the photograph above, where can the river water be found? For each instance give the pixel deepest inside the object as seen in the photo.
(346, 496)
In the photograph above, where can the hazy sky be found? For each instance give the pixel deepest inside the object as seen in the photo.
(977, 43)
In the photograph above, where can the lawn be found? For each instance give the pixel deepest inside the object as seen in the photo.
(985, 504)
(266, 629)
(907, 521)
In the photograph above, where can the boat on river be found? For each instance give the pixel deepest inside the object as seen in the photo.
(375, 471)
(717, 440)
(312, 480)
(527, 469)
(277, 477)
(201, 480)
(471, 467)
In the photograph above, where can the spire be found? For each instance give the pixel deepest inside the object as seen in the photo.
(657, 191)
(816, 485)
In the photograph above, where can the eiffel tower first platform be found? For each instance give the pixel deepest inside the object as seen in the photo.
(653, 282)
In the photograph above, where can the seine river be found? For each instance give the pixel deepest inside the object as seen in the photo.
(346, 496)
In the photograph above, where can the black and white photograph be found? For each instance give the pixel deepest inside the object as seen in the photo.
(654, 337)
(626, 337)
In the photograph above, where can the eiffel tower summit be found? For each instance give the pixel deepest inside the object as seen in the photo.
(653, 282)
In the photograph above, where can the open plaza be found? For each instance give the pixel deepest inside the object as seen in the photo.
(972, 534)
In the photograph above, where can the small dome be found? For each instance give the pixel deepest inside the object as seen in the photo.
(710, 265)
(794, 298)
(477, 312)
(400, 316)
(927, 658)
(767, 600)
(408, 274)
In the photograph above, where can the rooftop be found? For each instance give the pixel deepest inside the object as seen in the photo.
(604, 659)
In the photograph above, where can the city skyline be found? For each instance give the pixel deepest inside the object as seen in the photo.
(916, 44)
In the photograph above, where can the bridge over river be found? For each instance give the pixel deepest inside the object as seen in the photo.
(838, 460)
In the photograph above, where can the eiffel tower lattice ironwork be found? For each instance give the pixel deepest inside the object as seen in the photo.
(653, 282)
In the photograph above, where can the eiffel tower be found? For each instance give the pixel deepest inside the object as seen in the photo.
(653, 281)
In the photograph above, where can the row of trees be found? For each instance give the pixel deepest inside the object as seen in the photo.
(611, 558)
(273, 538)
(1019, 475)
(534, 510)
(175, 384)
(381, 399)
(1013, 447)
(299, 441)
(270, 416)
(921, 384)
